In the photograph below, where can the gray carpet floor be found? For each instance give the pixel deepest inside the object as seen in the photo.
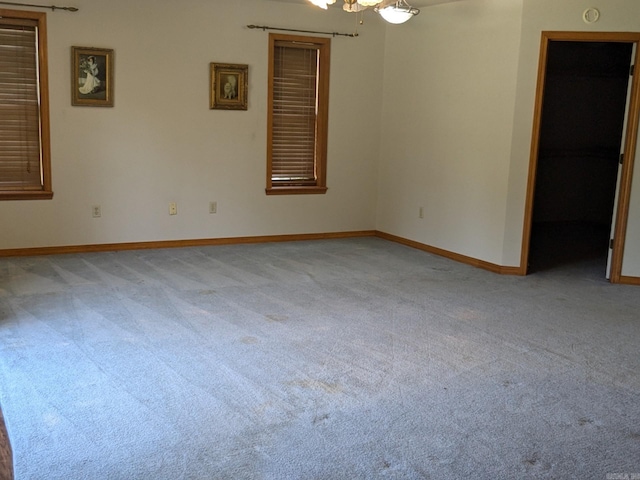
(338, 359)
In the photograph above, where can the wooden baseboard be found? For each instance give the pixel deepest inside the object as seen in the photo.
(626, 280)
(474, 262)
(202, 242)
(114, 247)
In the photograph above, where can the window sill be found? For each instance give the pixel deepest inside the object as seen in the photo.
(296, 190)
(26, 195)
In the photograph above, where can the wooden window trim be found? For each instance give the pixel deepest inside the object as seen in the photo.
(323, 45)
(297, 190)
(45, 191)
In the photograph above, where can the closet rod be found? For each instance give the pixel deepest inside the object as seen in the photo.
(52, 7)
(335, 34)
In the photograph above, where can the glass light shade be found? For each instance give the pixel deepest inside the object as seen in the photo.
(397, 13)
(369, 3)
(322, 3)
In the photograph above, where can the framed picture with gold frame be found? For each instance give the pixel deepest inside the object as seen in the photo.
(228, 86)
(91, 77)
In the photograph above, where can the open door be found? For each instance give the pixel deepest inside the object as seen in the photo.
(620, 200)
(619, 176)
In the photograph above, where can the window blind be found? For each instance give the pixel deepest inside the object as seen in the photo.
(294, 131)
(20, 152)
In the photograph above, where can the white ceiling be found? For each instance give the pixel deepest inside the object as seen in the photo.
(413, 3)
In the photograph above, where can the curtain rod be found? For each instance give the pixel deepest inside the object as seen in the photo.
(335, 34)
(52, 7)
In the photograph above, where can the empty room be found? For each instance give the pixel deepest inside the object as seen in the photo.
(295, 239)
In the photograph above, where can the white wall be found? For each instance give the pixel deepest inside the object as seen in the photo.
(161, 142)
(552, 15)
(450, 85)
(459, 92)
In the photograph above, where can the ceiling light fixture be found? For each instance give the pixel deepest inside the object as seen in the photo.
(322, 3)
(395, 11)
(354, 7)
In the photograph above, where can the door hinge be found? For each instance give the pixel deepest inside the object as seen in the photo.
(621, 158)
(611, 244)
(632, 70)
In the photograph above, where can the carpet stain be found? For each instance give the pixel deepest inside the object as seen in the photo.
(467, 314)
(249, 340)
(584, 421)
(263, 407)
(533, 459)
(277, 318)
(320, 418)
(318, 385)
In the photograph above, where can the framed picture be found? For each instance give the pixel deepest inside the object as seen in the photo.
(228, 86)
(91, 77)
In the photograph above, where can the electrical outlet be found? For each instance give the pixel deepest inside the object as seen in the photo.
(420, 212)
(173, 208)
(213, 207)
(96, 211)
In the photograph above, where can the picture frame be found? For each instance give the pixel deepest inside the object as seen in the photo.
(92, 77)
(228, 86)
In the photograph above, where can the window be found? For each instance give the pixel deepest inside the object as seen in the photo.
(25, 169)
(298, 114)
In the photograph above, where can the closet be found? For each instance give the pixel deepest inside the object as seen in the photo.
(579, 148)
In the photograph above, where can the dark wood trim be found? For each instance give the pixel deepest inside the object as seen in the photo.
(533, 157)
(313, 190)
(474, 262)
(114, 247)
(26, 194)
(626, 280)
(624, 37)
(6, 455)
(626, 178)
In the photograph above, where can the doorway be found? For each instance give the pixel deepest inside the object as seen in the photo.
(583, 97)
